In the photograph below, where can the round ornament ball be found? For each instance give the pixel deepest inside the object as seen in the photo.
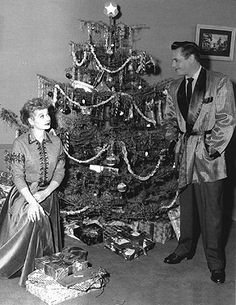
(68, 75)
(121, 187)
(110, 160)
(50, 94)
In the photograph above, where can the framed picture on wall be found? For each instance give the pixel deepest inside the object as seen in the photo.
(216, 42)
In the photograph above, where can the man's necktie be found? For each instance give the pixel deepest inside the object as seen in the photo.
(189, 89)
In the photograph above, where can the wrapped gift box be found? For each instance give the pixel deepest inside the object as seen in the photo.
(145, 226)
(74, 254)
(126, 242)
(48, 289)
(53, 292)
(86, 279)
(174, 216)
(40, 262)
(69, 261)
(58, 270)
(162, 231)
(89, 233)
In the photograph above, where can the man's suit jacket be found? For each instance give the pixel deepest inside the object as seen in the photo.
(206, 130)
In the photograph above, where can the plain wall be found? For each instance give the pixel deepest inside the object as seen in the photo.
(35, 36)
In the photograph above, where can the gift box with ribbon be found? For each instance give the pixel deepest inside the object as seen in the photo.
(162, 231)
(48, 289)
(89, 233)
(53, 291)
(69, 261)
(126, 242)
(58, 270)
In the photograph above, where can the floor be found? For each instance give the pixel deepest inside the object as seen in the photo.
(146, 280)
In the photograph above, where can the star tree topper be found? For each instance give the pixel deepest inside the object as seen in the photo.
(111, 9)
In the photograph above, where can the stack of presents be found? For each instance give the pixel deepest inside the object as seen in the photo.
(92, 231)
(68, 274)
(64, 276)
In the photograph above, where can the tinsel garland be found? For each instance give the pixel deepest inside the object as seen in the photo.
(103, 68)
(101, 27)
(105, 147)
(78, 64)
(171, 204)
(125, 156)
(113, 97)
(113, 71)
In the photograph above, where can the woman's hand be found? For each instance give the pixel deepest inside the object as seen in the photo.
(41, 195)
(34, 211)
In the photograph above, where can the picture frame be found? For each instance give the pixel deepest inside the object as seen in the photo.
(216, 42)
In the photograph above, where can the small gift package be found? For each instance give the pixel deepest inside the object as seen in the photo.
(53, 291)
(144, 226)
(89, 233)
(162, 230)
(58, 269)
(126, 242)
(74, 254)
(86, 279)
(59, 265)
(48, 289)
(174, 216)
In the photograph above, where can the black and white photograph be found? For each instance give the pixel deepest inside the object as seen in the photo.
(117, 152)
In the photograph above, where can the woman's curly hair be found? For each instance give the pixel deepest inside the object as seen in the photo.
(30, 106)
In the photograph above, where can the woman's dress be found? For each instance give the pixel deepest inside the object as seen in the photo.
(35, 165)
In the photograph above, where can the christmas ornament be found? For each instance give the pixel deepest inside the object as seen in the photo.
(110, 49)
(65, 110)
(86, 110)
(96, 193)
(50, 94)
(68, 75)
(82, 85)
(111, 157)
(102, 87)
(121, 187)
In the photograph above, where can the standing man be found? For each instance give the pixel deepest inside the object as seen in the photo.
(202, 104)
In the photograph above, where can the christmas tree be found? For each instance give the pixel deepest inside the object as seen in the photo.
(111, 124)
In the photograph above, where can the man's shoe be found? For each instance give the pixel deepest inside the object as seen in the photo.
(173, 258)
(218, 276)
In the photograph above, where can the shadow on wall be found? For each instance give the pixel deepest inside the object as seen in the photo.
(230, 190)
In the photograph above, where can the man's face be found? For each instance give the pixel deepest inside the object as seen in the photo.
(180, 64)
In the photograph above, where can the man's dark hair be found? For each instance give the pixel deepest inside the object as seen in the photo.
(188, 48)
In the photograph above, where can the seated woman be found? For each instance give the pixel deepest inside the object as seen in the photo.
(30, 220)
